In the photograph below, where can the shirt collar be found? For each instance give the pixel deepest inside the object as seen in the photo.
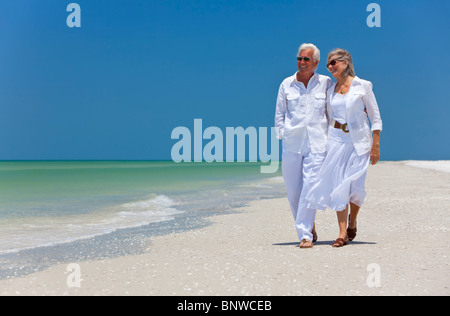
(356, 81)
(294, 77)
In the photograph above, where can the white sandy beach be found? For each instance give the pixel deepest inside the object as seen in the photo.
(403, 240)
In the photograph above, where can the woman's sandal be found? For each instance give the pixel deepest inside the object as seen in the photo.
(340, 242)
(351, 232)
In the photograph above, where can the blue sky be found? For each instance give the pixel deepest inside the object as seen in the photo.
(116, 87)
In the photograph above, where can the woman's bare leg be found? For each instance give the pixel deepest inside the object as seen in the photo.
(342, 221)
(354, 210)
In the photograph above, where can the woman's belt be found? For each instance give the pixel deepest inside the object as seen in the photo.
(336, 124)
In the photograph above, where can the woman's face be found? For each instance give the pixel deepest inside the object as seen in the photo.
(336, 66)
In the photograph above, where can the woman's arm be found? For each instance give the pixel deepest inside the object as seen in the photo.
(371, 105)
(375, 152)
(375, 119)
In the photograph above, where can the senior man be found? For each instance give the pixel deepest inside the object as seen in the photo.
(301, 122)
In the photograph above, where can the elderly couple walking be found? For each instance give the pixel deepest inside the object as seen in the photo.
(327, 141)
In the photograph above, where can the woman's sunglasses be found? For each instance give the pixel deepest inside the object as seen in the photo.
(333, 62)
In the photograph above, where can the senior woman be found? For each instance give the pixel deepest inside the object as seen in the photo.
(351, 146)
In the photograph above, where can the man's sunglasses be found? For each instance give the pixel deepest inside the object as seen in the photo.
(306, 59)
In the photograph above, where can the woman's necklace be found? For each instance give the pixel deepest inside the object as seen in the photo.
(343, 87)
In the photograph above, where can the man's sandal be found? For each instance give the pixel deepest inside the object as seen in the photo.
(305, 243)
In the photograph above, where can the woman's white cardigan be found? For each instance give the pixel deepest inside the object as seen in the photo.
(360, 97)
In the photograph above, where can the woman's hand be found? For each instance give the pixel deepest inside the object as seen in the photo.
(375, 152)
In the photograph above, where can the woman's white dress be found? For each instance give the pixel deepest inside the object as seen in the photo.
(343, 173)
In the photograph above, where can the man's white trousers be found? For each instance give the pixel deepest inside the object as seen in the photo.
(299, 173)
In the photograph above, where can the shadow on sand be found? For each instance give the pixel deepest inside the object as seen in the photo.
(324, 243)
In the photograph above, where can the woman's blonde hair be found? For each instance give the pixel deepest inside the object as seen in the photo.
(342, 56)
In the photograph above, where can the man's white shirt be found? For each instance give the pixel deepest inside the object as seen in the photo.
(301, 113)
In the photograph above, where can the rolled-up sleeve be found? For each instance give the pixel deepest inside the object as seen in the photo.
(280, 112)
(372, 108)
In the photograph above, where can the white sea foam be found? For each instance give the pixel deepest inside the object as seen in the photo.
(278, 179)
(16, 235)
(266, 183)
(439, 165)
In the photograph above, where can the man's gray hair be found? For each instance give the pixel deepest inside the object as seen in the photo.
(304, 46)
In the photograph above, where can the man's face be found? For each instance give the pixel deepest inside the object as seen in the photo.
(307, 67)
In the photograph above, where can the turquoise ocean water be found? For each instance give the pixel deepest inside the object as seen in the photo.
(59, 207)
